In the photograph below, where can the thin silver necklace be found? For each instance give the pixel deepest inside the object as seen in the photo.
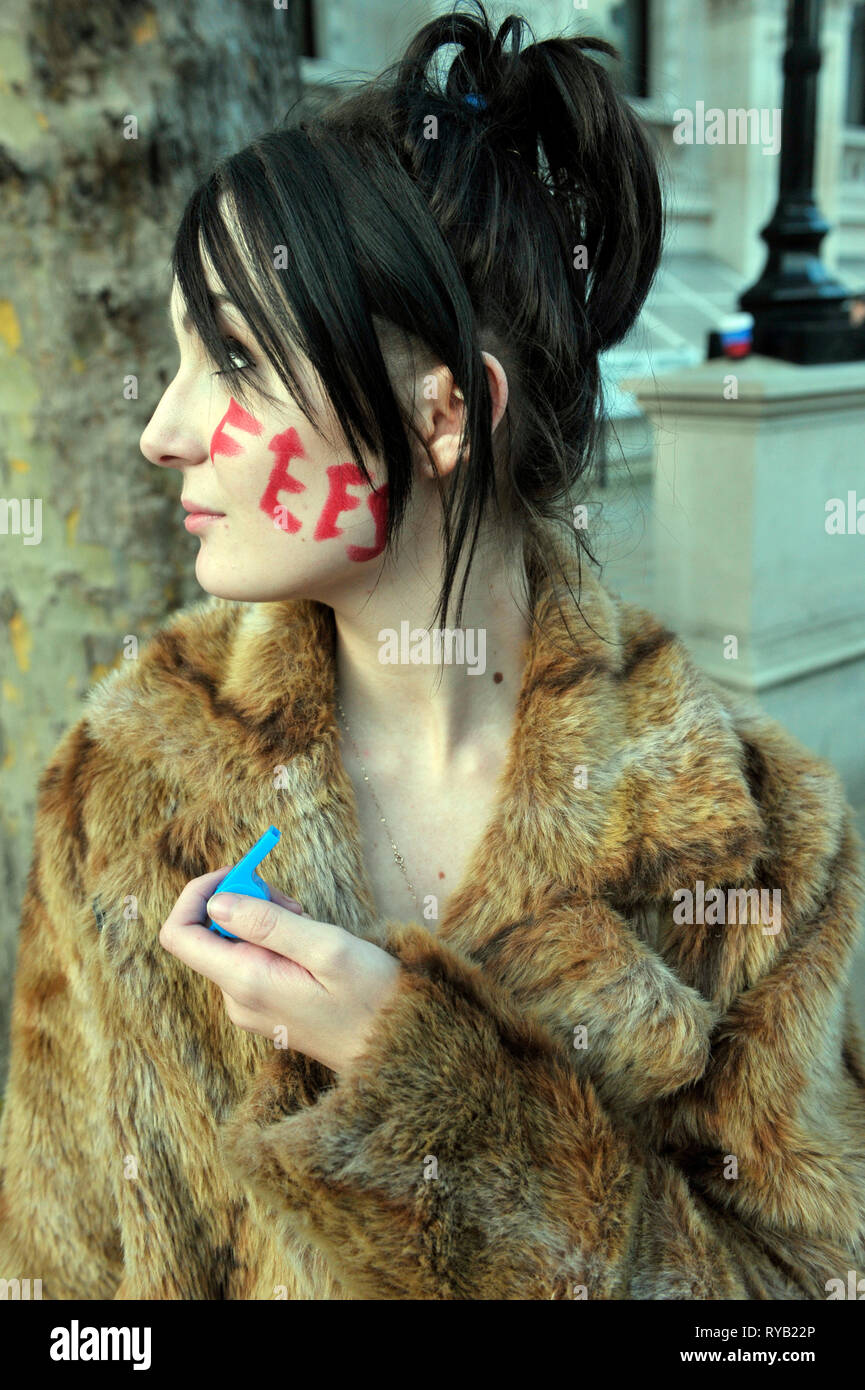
(396, 854)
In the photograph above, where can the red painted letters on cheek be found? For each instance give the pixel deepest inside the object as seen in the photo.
(341, 476)
(339, 499)
(286, 446)
(377, 503)
(239, 419)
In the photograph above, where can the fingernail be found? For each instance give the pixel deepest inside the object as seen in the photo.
(221, 906)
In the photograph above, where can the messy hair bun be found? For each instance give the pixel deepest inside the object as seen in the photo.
(507, 201)
(558, 112)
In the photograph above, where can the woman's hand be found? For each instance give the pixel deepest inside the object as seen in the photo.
(304, 984)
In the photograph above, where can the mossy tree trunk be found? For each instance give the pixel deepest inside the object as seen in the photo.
(109, 111)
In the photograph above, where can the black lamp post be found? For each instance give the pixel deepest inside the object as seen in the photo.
(801, 312)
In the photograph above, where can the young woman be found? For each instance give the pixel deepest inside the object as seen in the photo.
(550, 998)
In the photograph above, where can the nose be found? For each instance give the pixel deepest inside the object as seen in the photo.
(170, 440)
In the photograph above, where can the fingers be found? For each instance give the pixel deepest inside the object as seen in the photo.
(185, 932)
(191, 907)
(290, 903)
(286, 931)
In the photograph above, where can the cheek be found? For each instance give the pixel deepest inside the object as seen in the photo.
(286, 446)
(339, 499)
(236, 418)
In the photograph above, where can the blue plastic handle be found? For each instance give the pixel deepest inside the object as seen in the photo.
(243, 878)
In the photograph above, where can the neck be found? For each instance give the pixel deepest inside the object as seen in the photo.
(441, 711)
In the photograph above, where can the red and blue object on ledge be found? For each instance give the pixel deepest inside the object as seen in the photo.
(733, 337)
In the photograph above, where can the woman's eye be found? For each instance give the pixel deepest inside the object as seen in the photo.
(236, 351)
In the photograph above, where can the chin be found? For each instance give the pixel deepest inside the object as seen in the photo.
(244, 588)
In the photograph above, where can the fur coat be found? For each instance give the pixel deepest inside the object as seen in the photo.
(574, 1093)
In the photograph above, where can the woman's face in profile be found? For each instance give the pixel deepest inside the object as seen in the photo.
(293, 517)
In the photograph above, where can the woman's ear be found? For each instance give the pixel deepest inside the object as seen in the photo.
(498, 383)
(444, 414)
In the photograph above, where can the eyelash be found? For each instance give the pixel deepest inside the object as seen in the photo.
(241, 352)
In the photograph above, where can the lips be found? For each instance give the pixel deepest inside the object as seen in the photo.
(194, 507)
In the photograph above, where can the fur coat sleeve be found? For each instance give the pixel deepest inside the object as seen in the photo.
(579, 1090)
(58, 1219)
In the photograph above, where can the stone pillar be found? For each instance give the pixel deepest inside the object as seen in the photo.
(746, 39)
(831, 111)
(756, 568)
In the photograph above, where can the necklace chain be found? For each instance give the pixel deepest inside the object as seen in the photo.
(396, 854)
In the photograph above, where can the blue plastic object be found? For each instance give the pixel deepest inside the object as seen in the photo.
(243, 878)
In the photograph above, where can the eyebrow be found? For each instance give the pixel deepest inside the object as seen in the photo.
(215, 300)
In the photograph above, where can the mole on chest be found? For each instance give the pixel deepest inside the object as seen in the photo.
(435, 857)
